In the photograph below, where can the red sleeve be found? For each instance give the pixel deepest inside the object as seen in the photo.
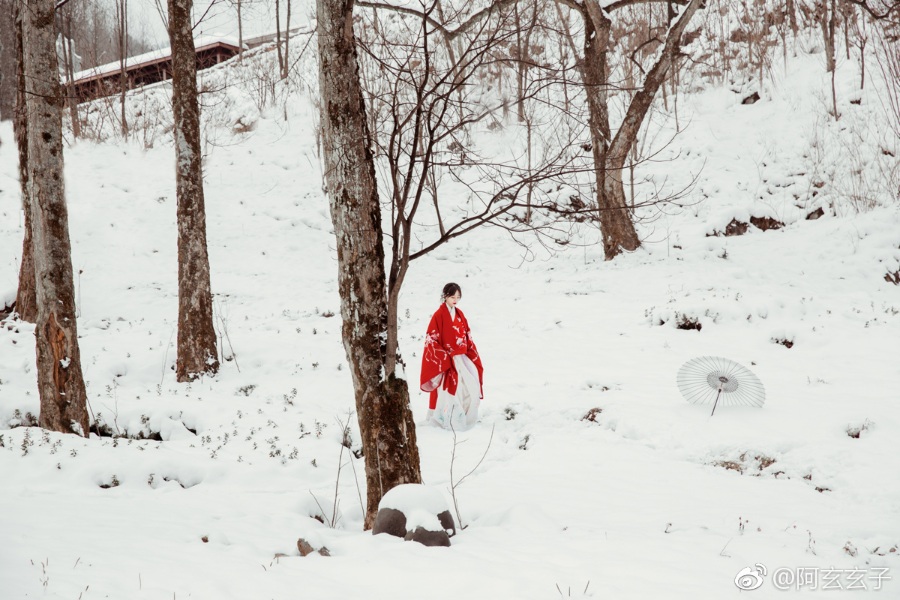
(435, 357)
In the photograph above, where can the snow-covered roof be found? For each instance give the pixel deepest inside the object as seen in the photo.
(200, 43)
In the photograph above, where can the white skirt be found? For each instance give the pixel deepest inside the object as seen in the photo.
(459, 411)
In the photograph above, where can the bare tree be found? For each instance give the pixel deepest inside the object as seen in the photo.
(281, 59)
(283, 54)
(791, 10)
(426, 103)
(60, 381)
(122, 43)
(860, 39)
(827, 11)
(616, 222)
(616, 225)
(64, 19)
(523, 30)
(382, 398)
(7, 58)
(240, 31)
(285, 67)
(26, 296)
(162, 11)
(887, 11)
(239, 6)
(610, 153)
(196, 341)
(888, 60)
(637, 109)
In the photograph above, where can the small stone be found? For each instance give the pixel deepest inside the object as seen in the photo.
(423, 501)
(736, 227)
(304, 547)
(446, 521)
(766, 223)
(428, 538)
(816, 214)
(390, 521)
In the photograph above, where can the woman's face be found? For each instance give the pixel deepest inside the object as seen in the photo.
(452, 300)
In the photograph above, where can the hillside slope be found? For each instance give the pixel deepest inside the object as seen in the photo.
(649, 498)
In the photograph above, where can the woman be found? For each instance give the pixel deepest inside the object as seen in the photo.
(451, 368)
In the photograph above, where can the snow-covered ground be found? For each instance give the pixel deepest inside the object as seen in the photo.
(649, 498)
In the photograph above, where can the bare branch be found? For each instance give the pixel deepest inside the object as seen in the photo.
(623, 3)
(864, 4)
(641, 101)
(404, 10)
(466, 25)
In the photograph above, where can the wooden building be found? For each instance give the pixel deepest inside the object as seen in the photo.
(144, 69)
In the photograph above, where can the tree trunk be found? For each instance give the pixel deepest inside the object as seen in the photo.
(287, 42)
(60, 382)
(520, 66)
(631, 124)
(830, 54)
(278, 36)
(197, 353)
(71, 98)
(122, 31)
(26, 296)
(862, 60)
(848, 13)
(7, 59)
(616, 225)
(240, 32)
(570, 44)
(68, 53)
(792, 17)
(399, 268)
(826, 22)
(392, 349)
(382, 399)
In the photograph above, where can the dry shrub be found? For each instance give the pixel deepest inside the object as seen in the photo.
(592, 415)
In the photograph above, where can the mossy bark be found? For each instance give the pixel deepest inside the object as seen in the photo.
(382, 398)
(196, 342)
(60, 382)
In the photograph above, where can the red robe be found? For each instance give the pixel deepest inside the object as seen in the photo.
(447, 336)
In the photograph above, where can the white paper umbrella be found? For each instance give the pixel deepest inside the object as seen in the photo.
(713, 379)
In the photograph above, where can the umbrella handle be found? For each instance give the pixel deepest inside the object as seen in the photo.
(719, 393)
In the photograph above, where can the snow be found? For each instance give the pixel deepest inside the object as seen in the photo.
(7, 297)
(419, 503)
(411, 496)
(652, 497)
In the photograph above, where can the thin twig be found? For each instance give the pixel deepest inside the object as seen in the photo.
(454, 484)
(452, 460)
(96, 424)
(165, 358)
(226, 336)
(322, 510)
(337, 481)
(491, 439)
(362, 506)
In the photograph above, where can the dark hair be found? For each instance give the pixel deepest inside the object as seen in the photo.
(450, 289)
